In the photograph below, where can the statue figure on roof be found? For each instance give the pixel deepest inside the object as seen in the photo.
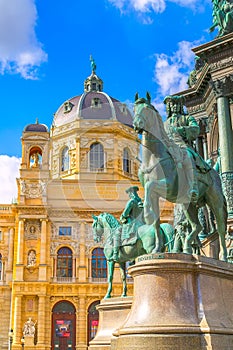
(93, 65)
(222, 16)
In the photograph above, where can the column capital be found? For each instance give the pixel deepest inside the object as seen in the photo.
(222, 87)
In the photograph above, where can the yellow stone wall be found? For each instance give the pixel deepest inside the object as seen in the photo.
(47, 199)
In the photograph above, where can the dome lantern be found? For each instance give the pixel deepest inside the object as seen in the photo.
(93, 82)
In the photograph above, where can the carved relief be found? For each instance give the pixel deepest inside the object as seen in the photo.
(227, 182)
(227, 62)
(32, 229)
(31, 259)
(33, 189)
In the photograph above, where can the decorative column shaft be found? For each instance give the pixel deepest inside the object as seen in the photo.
(11, 249)
(43, 260)
(82, 333)
(222, 89)
(19, 259)
(41, 320)
(82, 256)
(43, 242)
(17, 327)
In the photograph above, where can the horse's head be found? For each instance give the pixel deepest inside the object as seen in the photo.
(97, 228)
(144, 114)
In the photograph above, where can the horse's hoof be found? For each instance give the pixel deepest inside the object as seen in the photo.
(157, 250)
(187, 251)
(123, 295)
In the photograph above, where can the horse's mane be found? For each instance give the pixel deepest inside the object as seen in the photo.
(164, 137)
(111, 220)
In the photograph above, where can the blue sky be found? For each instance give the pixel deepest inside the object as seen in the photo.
(45, 45)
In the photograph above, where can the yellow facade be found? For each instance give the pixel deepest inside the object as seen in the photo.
(52, 197)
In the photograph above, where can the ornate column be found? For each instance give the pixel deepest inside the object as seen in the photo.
(82, 327)
(11, 249)
(17, 327)
(82, 256)
(41, 320)
(222, 89)
(43, 260)
(20, 251)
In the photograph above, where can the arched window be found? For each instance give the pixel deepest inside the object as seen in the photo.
(64, 262)
(93, 320)
(65, 161)
(1, 277)
(35, 157)
(126, 160)
(63, 326)
(99, 264)
(96, 157)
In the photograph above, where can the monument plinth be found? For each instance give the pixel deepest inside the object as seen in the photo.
(112, 314)
(180, 302)
(29, 342)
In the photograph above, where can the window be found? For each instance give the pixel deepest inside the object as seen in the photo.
(126, 161)
(65, 159)
(68, 106)
(96, 157)
(95, 103)
(64, 262)
(65, 231)
(99, 264)
(35, 157)
(93, 320)
(0, 235)
(123, 108)
(63, 326)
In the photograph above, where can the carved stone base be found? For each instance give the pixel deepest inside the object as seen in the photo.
(181, 302)
(29, 342)
(112, 314)
(227, 184)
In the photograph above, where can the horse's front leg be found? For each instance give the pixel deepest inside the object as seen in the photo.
(192, 216)
(123, 278)
(111, 264)
(149, 215)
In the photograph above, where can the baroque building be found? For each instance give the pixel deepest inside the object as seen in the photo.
(52, 273)
(209, 99)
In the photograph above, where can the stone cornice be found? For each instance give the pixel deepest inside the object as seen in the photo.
(218, 46)
(223, 87)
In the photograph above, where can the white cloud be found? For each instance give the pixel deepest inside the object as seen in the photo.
(146, 6)
(20, 50)
(9, 172)
(171, 72)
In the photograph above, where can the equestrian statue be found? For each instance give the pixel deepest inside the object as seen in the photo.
(126, 240)
(173, 170)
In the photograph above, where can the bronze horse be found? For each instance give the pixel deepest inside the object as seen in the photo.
(161, 175)
(105, 225)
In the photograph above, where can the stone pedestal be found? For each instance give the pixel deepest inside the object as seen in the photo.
(181, 302)
(112, 314)
(29, 342)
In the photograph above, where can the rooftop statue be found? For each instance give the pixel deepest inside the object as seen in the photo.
(165, 173)
(222, 16)
(93, 65)
(125, 242)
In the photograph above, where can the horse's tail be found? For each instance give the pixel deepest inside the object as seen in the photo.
(168, 232)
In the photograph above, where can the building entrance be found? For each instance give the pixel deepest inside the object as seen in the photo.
(63, 326)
